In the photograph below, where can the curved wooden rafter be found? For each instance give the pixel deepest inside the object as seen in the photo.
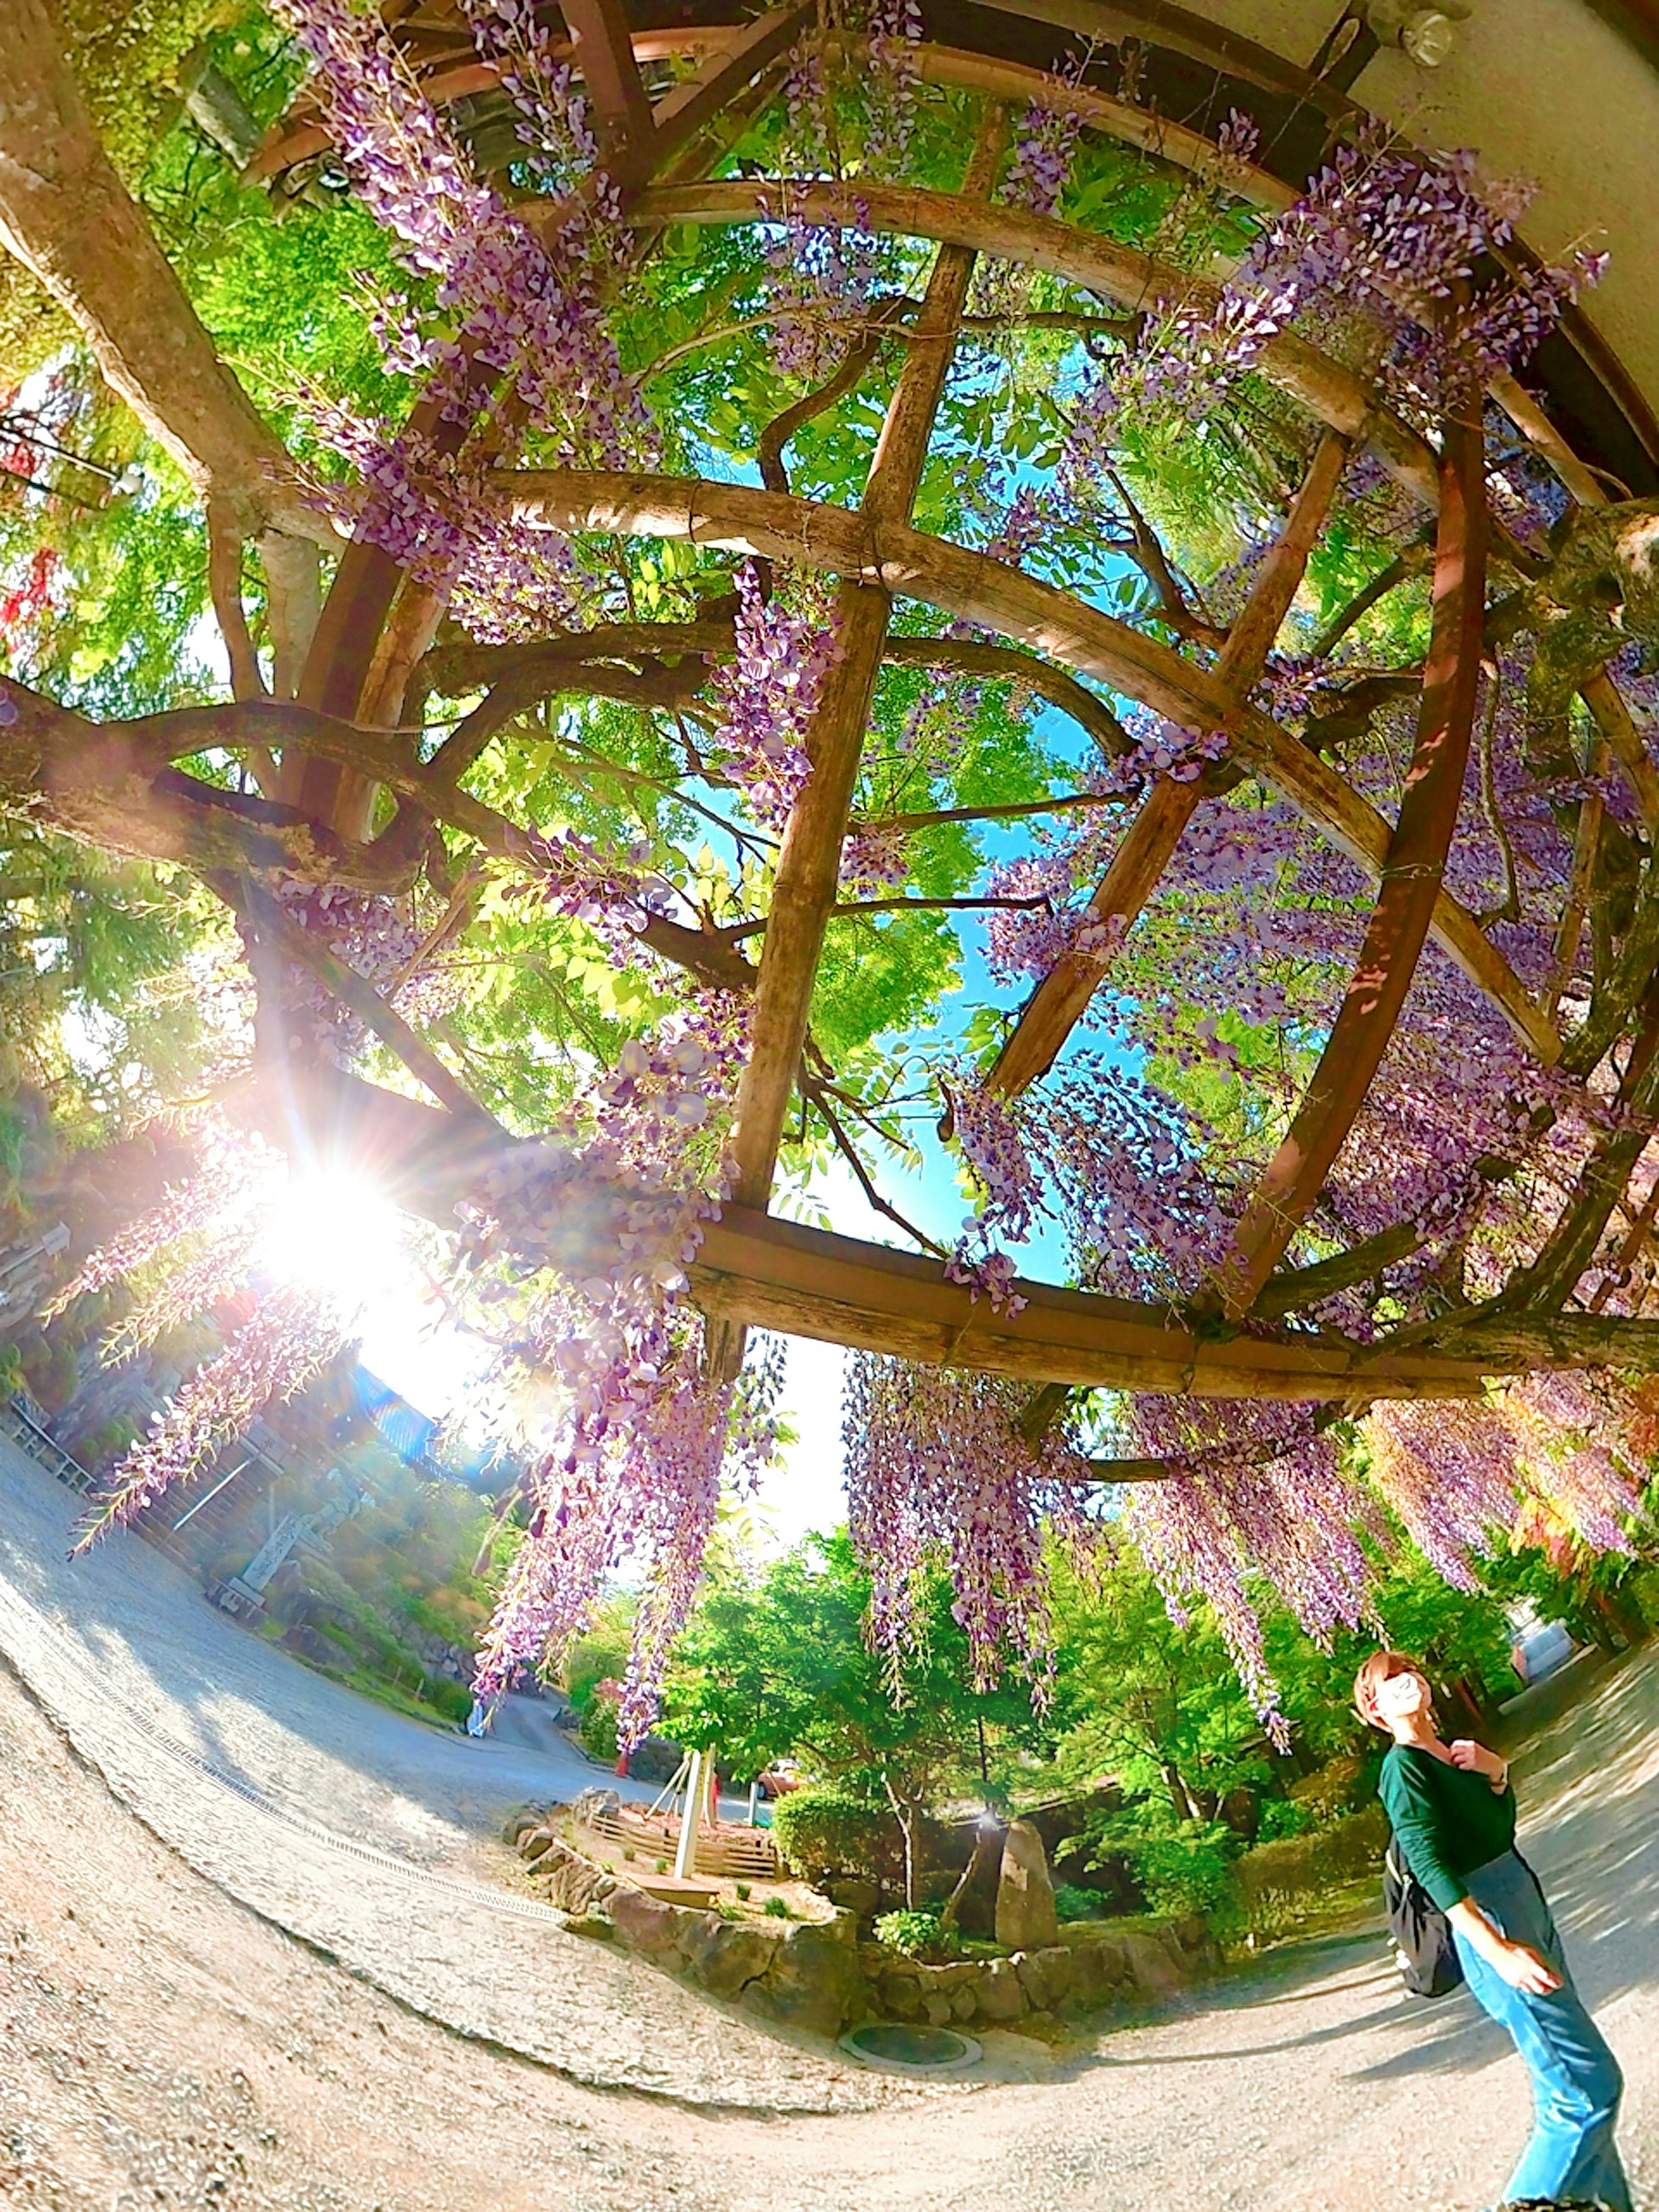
(1331, 392)
(1412, 870)
(977, 589)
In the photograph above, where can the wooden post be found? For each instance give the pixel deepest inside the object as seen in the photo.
(809, 865)
(685, 1858)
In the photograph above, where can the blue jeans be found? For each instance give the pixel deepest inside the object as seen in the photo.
(1576, 2081)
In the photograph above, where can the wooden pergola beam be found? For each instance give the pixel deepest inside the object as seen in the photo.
(1061, 998)
(753, 1270)
(340, 666)
(602, 47)
(994, 596)
(1334, 394)
(808, 862)
(725, 76)
(1412, 870)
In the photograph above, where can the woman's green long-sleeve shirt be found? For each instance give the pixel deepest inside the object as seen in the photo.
(1448, 1821)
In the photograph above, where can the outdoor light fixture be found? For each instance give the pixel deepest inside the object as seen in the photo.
(1426, 34)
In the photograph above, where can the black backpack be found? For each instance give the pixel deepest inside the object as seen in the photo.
(1423, 1946)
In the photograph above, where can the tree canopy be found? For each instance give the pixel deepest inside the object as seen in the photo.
(795, 593)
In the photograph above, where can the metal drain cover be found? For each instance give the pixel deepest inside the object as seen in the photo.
(909, 2049)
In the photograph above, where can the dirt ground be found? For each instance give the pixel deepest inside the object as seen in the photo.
(167, 2040)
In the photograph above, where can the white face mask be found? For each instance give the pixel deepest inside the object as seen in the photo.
(1401, 1696)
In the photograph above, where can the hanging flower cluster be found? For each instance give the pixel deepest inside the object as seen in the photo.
(552, 127)
(1456, 1474)
(891, 85)
(1378, 235)
(291, 1336)
(822, 278)
(1045, 143)
(374, 937)
(524, 297)
(648, 1443)
(765, 697)
(587, 1246)
(937, 1468)
(616, 901)
(1259, 1490)
(432, 511)
(1029, 941)
(195, 1240)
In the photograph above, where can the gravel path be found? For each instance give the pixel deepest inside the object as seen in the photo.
(154, 2024)
(370, 1835)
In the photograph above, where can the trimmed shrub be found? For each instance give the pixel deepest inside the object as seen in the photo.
(599, 1729)
(1282, 1817)
(452, 1699)
(917, 1935)
(1277, 1881)
(1331, 1790)
(822, 1832)
(1189, 1870)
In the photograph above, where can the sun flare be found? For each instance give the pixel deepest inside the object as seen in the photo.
(338, 1235)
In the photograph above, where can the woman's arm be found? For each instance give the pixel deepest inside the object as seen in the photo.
(1475, 1759)
(1522, 1967)
(1414, 1816)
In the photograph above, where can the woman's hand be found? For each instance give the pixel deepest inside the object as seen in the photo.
(1523, 1968)
(1477, 1760)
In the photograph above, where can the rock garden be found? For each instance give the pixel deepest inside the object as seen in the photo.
(793, 1953)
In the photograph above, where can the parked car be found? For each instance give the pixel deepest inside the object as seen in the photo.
(1539, 1647)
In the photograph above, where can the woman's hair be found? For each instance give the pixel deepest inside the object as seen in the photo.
(1378, 1669)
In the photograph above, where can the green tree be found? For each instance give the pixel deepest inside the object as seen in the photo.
(781, 1664)
(1152, 1702)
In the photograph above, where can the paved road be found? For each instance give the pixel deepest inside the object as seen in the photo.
(1310, 2085)
(423, 1792)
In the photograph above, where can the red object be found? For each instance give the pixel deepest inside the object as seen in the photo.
(622, 1765)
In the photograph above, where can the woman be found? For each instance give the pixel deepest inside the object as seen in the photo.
(1453, 1810)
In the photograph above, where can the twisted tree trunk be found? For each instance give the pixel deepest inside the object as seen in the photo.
(67, 216)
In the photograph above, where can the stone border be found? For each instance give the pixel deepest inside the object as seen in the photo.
(816, 1974)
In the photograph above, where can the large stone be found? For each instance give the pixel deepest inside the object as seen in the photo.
(854, 1896)
(311, 1644)
(523, 1818)
(1046, 1976)
(1098, 1970)
(900, 1995)
(724, 1956)
(575, 1884)
(663, 1933)
(953, 1977)
(595, 1800)
(815, 1981)
(1001, 1993)
(1026, 1920)
(1152, 1967)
